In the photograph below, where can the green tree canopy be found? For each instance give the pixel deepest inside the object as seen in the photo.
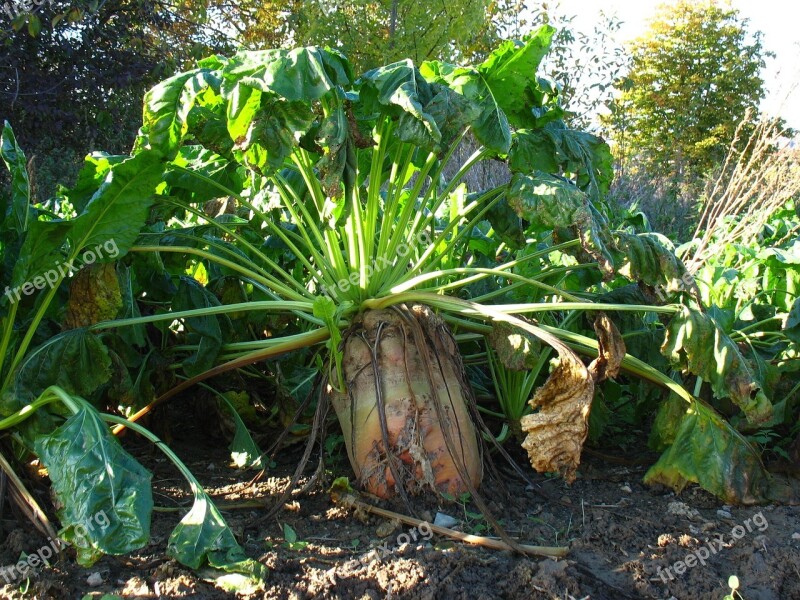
(74, 74)
(694, 75)
(378, 32)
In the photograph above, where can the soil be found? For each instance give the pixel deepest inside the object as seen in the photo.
(625, 541)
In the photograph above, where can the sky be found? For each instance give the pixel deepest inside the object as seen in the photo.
(776, 19)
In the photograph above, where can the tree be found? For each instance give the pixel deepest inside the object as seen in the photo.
(585, 64)
(377, 32)
(694, 75)
(74, 74)
(369, 32)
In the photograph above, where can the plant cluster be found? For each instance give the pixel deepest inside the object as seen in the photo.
(278, 215)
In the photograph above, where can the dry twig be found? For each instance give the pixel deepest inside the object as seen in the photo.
(349, 499)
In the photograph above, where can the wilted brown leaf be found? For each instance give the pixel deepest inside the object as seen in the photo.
(556, 432)
(694, 342)
(611, 351)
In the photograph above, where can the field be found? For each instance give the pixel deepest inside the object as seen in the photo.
(621, 537)
(472, 331)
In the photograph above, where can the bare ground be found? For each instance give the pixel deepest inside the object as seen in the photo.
(622, 538)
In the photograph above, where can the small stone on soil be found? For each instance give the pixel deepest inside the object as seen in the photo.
(626, 488)
(443, 520)
(680, 509)
(95, 579)
(665, 539)
(796, 536)
(724, 514)
(387, 527)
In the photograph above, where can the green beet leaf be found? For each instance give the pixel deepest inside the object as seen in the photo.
(647, 257)
(95, 169)
(204, 331)
(216, 171)
(244, 102)
(302, 74)
(15, 217)
(706, 450)
(401, 88)
(335, 139)
(273, 133)
(104, 494)
(694, 342)
(245, 453)
(166, 111)
(506, 224)
(451, 111)
(41, 253)
(76, 361)
(119, 208)
(533, 150)
(555, 148)
(204, 536)
(549, 202)
(792, 325)
(510, 73)
(490, 124)
(587, 156)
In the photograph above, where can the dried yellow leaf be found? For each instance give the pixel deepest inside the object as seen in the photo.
(556, 433)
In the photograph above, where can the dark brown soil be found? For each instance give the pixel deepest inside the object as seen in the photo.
(621, 535)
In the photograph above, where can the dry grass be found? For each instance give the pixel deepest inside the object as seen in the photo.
(756, 179)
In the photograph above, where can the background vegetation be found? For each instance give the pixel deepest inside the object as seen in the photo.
(242, 184)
